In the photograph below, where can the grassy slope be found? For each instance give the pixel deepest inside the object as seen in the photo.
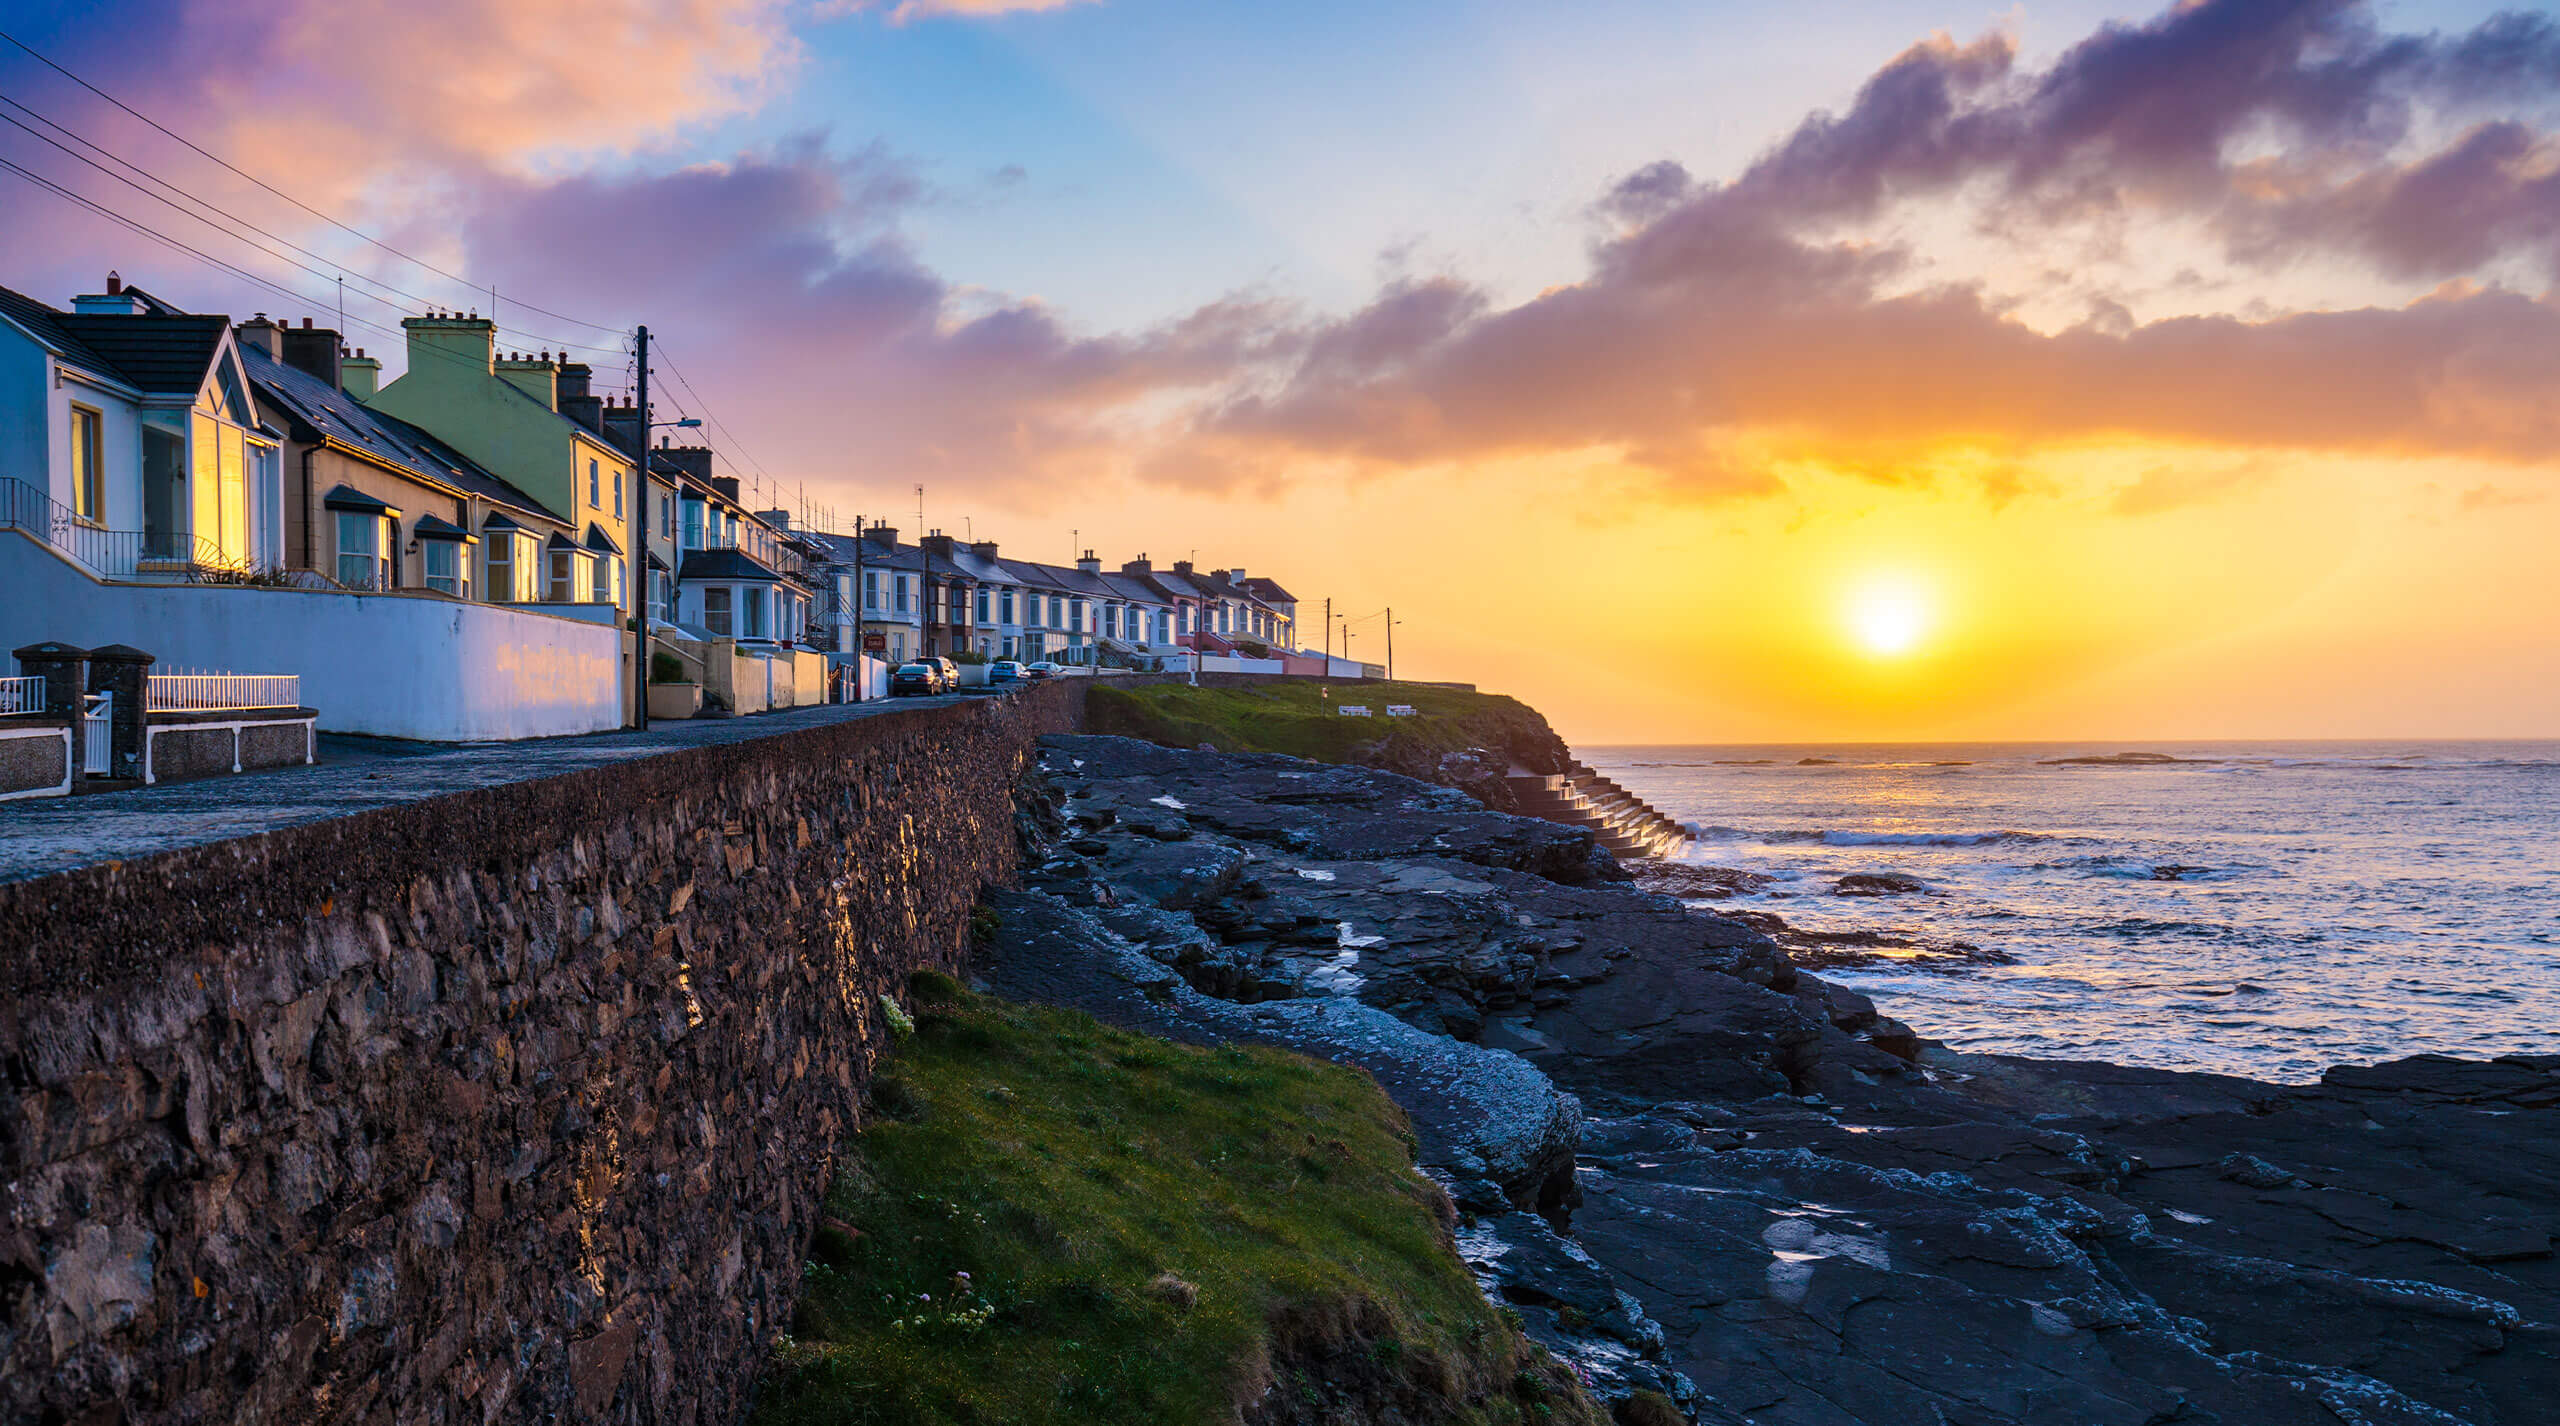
(1298, 718)
(1064, 1166)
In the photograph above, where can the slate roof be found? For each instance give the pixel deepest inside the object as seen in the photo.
(164, 353)
(347, 497)
(166, 356)
(42, 320)
(1267, 590)
(320, 409)
(724, 564)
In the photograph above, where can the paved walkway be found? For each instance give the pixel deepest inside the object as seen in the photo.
(43, 835)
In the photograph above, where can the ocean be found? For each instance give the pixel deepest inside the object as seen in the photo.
(2262, 909)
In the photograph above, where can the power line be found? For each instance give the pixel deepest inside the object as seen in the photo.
(335, 271)
(212, 157)
(146, 230)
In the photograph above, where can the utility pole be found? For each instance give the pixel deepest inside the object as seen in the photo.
(1391, 643)
(1328, 636)
(860, 648)
(633, 570)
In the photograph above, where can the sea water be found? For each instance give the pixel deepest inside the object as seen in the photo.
(2264, 909)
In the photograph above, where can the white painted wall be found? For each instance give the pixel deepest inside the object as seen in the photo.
(395, 666)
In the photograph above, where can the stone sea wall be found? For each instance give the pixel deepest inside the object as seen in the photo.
(509, 1105)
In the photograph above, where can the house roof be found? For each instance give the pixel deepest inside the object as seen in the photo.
(322, 410)
(1266, 590)
(164, 352)
(600, 542)
(347, 497)
(163, 355)
(430, 527)
(724, 564)
(43, 321)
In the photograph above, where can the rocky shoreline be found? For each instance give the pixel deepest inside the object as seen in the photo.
(1695, 1168)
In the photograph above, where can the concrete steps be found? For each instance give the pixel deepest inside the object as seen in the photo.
(1618, 819)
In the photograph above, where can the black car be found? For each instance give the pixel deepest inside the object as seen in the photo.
(915, 678)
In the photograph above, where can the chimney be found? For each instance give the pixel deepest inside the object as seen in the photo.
(1089, 564)
(266, 336)
(1182, 567)
(315, 350)
(1237, 572)
(938, 545)
(1138, 568)
(984, 549)
(361, 375)
(885, 536)
(694, 461)
(778, 519)
(445, 347)
(114, 302)
(537, 377)
(576, 401)
(727, 485)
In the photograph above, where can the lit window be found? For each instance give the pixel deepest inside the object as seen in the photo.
(88, 468)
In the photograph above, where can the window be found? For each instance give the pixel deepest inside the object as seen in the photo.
(715, 610)
(666, 517)
(871, 589)
(902, 592)
(754, 600)
(445, 569)
(513, 568)
(605, 579)
(88, 467)
(692, 525)
(985, 600)
(595, 491)
(572, 576)
(364, 554)
(617, 495)
(1005, 601)
(959, 605)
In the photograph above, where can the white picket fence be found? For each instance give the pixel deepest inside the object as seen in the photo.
(202, 692)
(22, 694)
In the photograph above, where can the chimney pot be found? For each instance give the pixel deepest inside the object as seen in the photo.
(306, 321)
(115, 284)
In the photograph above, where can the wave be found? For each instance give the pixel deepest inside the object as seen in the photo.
(1833, 837)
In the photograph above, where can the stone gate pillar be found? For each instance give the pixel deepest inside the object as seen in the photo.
(124, 671)
(65, 671)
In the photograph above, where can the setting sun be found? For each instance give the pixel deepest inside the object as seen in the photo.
(1887, 615)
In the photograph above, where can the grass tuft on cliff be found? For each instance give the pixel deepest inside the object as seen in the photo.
(1301, 718)
(1052, 1221)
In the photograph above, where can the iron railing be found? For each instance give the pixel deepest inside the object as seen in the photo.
(203, 692)
(22, 694)
(112, 554)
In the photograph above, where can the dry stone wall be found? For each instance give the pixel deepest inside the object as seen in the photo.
(507, 1106)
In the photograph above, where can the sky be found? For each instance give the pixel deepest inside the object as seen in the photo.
(1871, 370)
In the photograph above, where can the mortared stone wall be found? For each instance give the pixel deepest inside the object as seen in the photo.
(511, 1105)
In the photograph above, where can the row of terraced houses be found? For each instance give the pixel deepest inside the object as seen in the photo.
(465, 551)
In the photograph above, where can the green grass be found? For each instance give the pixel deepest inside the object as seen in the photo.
(1074, 1173)
(1299, 719)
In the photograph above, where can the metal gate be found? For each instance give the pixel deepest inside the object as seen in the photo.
(97, 734)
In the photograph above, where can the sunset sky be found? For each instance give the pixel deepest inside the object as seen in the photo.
(1698, 372)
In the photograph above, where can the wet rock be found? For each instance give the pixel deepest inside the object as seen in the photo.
(1881, 883)
(1792, 1209)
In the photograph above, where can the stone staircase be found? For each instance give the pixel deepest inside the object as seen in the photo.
(1623, 822)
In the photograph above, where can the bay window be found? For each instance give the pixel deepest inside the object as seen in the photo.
(88, 466)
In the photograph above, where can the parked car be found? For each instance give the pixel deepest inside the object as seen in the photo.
(1042, 669)
(950, 672)
(914, 679)
(1004, 671)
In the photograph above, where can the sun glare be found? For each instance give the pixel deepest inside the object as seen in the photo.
(1888, 615)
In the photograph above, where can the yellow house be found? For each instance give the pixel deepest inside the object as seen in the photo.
(505, 413)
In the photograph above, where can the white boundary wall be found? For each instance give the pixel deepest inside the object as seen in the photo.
(395, 666)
